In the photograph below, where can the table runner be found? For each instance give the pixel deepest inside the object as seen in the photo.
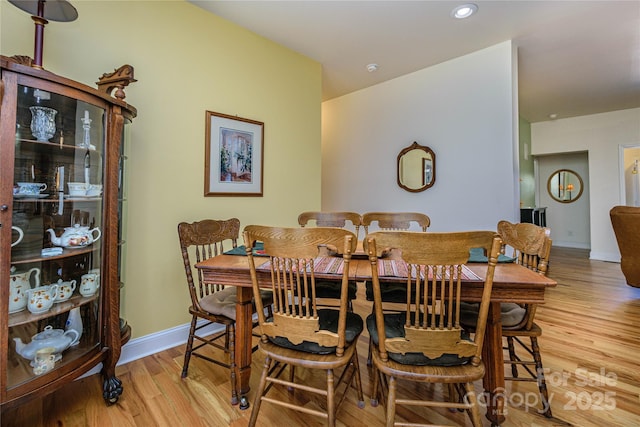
(395, 268)
(323, 265)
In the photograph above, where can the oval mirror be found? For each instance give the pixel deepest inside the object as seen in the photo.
(416, 168)
(565, 186)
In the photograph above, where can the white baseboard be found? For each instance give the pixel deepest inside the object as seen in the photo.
(605, 256)
(574, 245)
(138, 348)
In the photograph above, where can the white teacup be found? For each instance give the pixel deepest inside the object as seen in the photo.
(44, 360)
(65, 290)
(77, 188)
(31, 188)
(89, 284)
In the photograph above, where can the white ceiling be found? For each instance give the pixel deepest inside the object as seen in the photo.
(575, 57)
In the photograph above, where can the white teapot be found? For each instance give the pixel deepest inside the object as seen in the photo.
(75, 237)
(19, 283)
(58, 339)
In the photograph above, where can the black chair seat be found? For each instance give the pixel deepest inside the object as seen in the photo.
(394, 328)
(328, 320)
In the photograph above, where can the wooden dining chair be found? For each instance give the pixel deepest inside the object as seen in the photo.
(328, 291)
(211, 302)
(331, 219)
(301, 334)
(391, 221)
(530, 246)
(426, 343)
(395, 220)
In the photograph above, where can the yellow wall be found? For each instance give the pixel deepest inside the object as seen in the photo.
(186, 61)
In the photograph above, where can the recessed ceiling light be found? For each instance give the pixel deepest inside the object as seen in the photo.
(553, 116)
(372, 68)
(464, 10)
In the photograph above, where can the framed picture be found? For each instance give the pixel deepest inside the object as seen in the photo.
(233, 156)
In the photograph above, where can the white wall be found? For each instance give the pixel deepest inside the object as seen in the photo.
(601, 135)
(464, 109)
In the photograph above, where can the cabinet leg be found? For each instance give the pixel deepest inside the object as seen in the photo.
(111, 390)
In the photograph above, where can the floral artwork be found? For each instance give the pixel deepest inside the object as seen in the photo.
(236, 150)
(233, 156)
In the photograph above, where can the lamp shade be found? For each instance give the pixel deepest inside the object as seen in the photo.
(54, 10)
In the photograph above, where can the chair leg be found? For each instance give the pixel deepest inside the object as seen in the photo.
(292, 374)
(331, 403)
(512, 357)
(474, 410)
(230, 338)
(542, 383)
(189, 348)
(260, 392)
(356, 366)
(391, 402)
(376, 385)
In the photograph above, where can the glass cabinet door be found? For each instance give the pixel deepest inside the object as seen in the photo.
(57, 223)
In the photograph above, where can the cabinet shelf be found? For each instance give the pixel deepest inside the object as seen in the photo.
(50, 144)
(66, 253)
(25, 316)
(56, 199)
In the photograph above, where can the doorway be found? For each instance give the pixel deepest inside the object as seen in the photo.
(569, 221)
(630, 175)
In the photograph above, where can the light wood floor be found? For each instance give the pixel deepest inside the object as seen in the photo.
(590, 348)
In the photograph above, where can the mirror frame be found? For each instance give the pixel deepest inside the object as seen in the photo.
(562, 200)
(429, 152)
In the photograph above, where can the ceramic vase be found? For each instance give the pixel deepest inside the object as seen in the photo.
(74, 321)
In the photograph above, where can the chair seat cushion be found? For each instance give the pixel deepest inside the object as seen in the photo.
(391, 292)
(221, 303)
(511, 314)
(328, 320)
(329, 289)
(266, 296)
(394, 327)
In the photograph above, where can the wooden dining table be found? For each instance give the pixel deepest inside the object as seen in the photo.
(511, 283)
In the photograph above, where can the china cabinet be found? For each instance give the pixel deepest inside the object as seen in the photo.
(61, 203)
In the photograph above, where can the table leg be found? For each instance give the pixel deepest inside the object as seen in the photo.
(494, 366)
(244, 312)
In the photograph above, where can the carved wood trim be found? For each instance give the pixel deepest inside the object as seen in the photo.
(117, 81)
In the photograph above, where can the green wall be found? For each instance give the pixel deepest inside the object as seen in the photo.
(527, 177)
(186, 61)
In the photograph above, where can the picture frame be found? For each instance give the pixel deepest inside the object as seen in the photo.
(234, 158)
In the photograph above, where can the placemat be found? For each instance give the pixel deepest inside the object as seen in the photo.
(477, 255)
(258, 250)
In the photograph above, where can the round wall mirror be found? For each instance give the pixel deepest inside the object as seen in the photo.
(416, 168)
(565, 186)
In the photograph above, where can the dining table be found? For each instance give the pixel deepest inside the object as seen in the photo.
(511, 283)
